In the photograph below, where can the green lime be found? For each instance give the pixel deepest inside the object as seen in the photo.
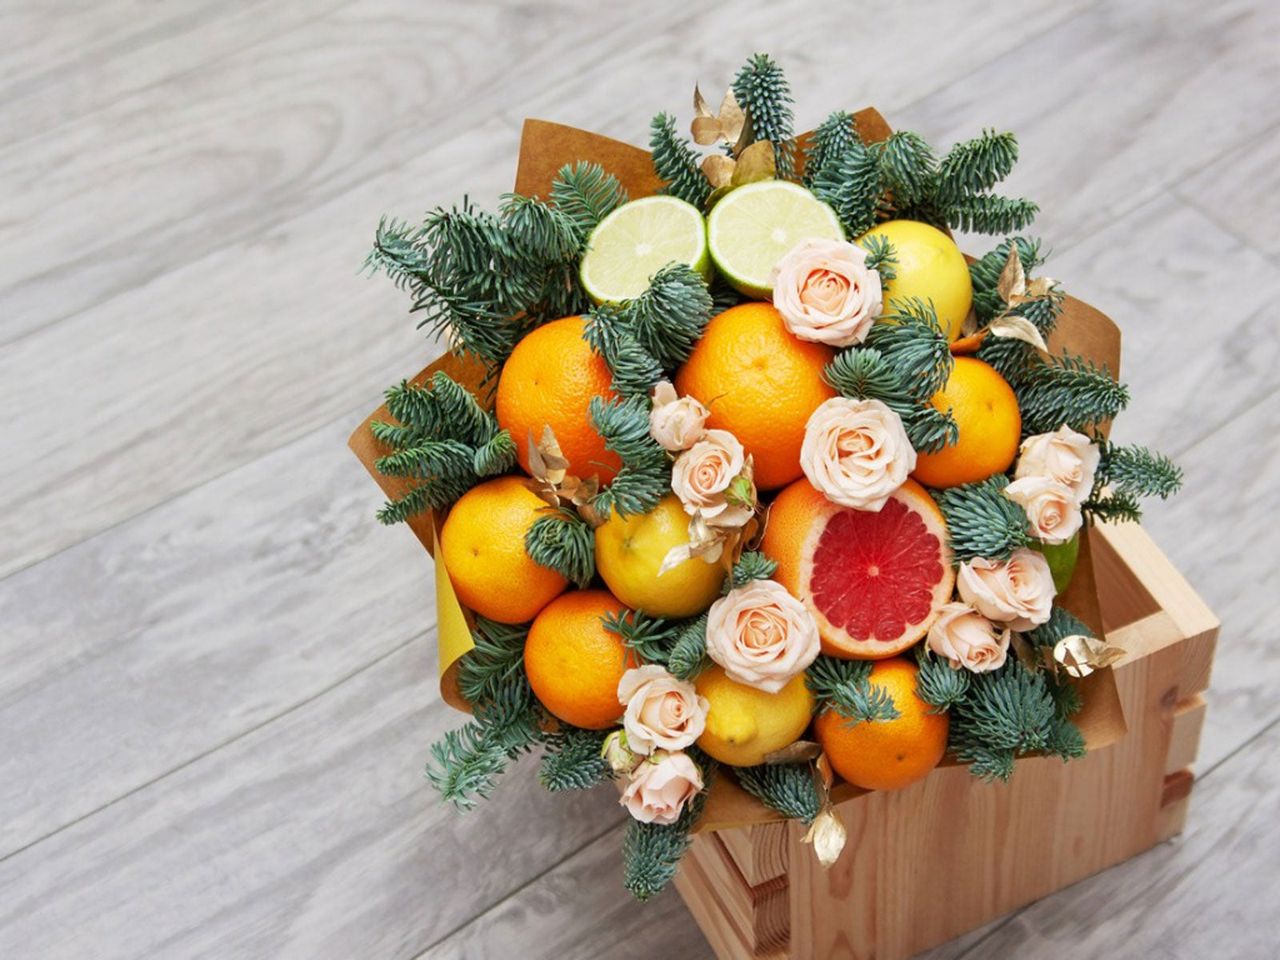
(637, 240)
(755, 226)
(1062, 559)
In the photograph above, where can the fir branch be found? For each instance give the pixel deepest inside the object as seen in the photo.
(988, 213)
(938, 683)
(494, 667)
(1114, 507)
(832, 138)
(1006, 709)
(881, 256)
(788, 788)
(586, 194)
(650, 637)
(982, 521)
(724, 297)
(496, 456)
(428, 460)
(845, 686)
(651, 852)
(465, 765)
(1065, 740)
(863, 373)
(676, 163)
(573, 760)
(975, 166)
(1068, 390)
(646, 470)
(1062, 623)
(689, 652)
(562, 541)
(531, 224)
(1137, 472)
(752, 565)
(908, 166)
(853, 185)
(435, 494)
(913, 342)
(985, 275)
(668, 319)
(762, 91)
(986, 762)
(635, 371)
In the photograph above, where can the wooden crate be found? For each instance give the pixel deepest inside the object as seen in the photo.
(756, 892)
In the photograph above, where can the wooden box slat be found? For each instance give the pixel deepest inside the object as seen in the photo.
(756, 892)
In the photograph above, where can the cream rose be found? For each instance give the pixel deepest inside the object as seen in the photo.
(856, 452)
(826, 293)
(761, 635)
(658, 788)
(704, 479)
(676, 422)
(1069, 457)
(965, 638)
(661, 711)
(1018, 591)
(1051, 507)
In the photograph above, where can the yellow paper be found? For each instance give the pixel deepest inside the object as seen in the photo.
(452, 629)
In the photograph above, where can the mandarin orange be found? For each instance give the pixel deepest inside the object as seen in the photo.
(986, 411)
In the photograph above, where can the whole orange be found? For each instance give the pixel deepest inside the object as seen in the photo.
(986, 411)
(550, 380)
(574, 663)
(886, 754)
(761, 384)
(482, 546)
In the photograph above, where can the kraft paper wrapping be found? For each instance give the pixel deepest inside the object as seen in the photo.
(544, 148)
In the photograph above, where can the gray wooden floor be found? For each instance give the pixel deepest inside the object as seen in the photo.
(216, 671)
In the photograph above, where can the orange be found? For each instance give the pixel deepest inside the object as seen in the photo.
(761, 384)
(482, 546)
(574, 663)
(886, 754)
(874, 581)
(549, 380)
(986, 411)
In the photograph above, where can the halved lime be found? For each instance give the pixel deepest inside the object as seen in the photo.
(637, 240)
(754, 226)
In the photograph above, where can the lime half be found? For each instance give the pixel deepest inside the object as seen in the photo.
(754, 226)
(637, 240)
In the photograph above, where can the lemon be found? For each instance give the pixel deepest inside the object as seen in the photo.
(755, 226)
(745, 724)
(1062, 559)
(637, 240)
(930, 267)
(629, 554)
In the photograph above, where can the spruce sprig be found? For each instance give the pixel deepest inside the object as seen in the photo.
(788, 788)
(676, 163)
(650, 637)
(494, 667)
(668, 319)
(752, 565)
(635, 370)
(562, 541)
(845, 686)
(465, 763)
(644, 479)
(864, 373)
(912, 340)
(982, 521)
(1136, 471)
(651, 852)
(881, 257)
(586, 194)
(853, 184)
(1068, 390)
(975, 166)
(990, 213)
(573, 760)
(1006, 712)
(689, 652)
(832, 139)
(909, 168)
(1062, 623)
(762, 91)
(938, 684)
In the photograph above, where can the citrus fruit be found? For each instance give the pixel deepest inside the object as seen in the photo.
(886, 754)
(745, 724)
(1062, 559)
(549, 380)
(574, 663)
(986, 411)
(637, 240)
(630, 551)
(482, 546)
(873, 581)
(760, 383)
(754, 226)
(930, 267)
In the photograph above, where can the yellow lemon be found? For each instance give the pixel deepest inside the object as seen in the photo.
(630, 551)
(745, 724)
(931, 267)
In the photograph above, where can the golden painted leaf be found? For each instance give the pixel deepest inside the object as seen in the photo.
(797, 752)
(1080, 655)
(708, 127)
(554, 465)
(1024, 651)
(1013, 280)
(718, 169)
(1014, 327)
(826, 777)
(756, 163)
(827, 835)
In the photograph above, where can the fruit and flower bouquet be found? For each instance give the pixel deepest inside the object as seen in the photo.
(746, 488)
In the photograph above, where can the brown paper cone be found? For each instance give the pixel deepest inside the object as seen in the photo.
(545, 147)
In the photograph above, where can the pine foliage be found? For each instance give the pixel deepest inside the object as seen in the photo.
(1068, 390)
(761, 89)
(1006, 712)
(635, 370)
(1135, 471)
(444, 443)
(562, 541)
(669, 318)
(650, 637)
(938, 683)
(651, 852)
(586, 194)
(1062, 623)
(689, 652)
(832, 139)
(845, 686)
(982, 521)
(752, 565)
(788, 788)
(853, 184)
(881, 257)
(676, 163)
(646, 470)
(573, 760)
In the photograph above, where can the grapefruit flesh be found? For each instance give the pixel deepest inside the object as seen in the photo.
(874, 581)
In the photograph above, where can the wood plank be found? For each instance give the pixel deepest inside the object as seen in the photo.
(169, 292)
(312, 836)
(1241, 191)
(1119, 103)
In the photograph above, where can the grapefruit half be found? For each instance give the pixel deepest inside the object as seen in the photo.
(874, 581)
